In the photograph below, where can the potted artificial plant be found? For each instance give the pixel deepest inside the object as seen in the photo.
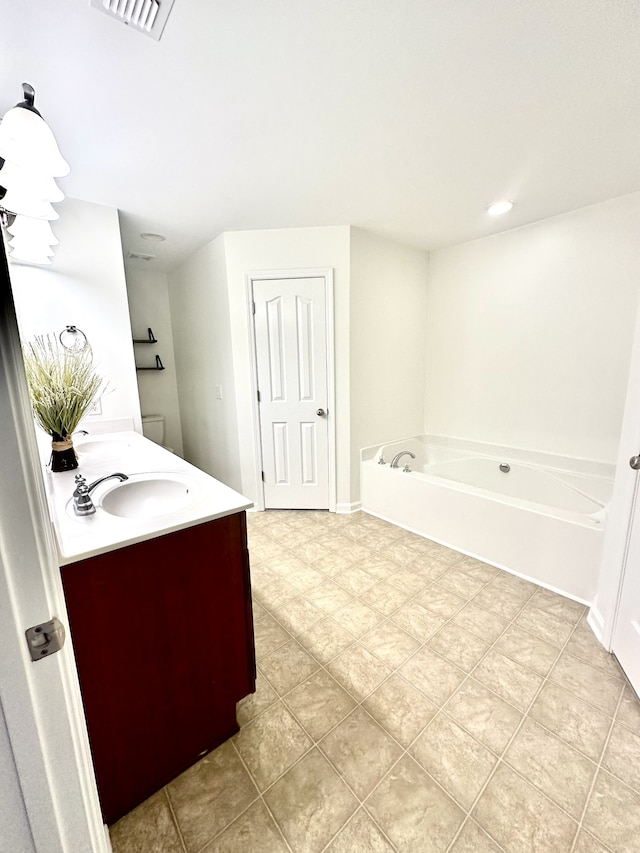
(63, 386)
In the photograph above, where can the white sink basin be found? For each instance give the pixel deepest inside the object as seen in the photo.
(147, 495)
(101, 448)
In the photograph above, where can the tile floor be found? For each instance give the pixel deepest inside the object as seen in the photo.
(409, 699)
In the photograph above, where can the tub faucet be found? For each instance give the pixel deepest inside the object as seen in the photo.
(82, 503)
(394, 461)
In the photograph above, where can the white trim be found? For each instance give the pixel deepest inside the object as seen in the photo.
(41, 701)
(347, 509)
(270, 275)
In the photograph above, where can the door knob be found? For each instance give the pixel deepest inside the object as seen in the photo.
(635, 463)
(322, 412)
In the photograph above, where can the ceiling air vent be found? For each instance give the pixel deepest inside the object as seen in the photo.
(139, 256)
(146, 16)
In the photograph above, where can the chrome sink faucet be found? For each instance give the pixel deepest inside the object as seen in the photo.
(398, 456)
(82, 503)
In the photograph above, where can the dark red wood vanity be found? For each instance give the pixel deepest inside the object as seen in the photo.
(163, 638)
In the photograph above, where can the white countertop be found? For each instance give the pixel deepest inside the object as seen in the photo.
(129, 453)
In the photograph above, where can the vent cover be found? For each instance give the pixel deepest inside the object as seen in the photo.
(145, 16)
(139, 256)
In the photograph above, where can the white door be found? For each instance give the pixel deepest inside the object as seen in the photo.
(291, 350)
(626, 637)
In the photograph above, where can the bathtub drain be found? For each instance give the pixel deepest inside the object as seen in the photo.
(505, 467)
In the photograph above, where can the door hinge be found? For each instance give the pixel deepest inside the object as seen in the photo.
(253, 307)
(262, 474)
(46, 639)
(258, 396)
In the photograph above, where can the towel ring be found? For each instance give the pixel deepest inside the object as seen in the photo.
(73, 339)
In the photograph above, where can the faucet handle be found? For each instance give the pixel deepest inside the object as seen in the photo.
(80, 479)
(381, 460)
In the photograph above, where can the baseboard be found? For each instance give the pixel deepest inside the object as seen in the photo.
(596, 623)
(347, 509)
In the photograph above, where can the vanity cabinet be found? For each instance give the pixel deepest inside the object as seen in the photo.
(163, 638)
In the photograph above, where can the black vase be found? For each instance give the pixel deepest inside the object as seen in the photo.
(63, 455)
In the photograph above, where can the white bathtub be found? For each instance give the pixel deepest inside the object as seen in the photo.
(542, 519)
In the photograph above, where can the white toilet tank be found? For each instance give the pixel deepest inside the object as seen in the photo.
(153, 429)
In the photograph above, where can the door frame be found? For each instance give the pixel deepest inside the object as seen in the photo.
(41, 702)
(325, 273)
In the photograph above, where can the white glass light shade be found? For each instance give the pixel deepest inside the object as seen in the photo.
(24, 246)
(30, 182)
(38, 231)
(27, 140)
(499, 208)
(29, 257)
(23, 204)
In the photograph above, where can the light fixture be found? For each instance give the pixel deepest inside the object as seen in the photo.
(153, 238)
(29, 161)
(499, 208)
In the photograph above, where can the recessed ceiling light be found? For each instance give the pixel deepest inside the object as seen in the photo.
(498, 208)
(153, 238)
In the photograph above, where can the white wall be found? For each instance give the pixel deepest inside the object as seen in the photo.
(149, 308)
(529, 332)
(388, 317)
(288, 249)
(85, 286)
(204, 358)
(16, 834)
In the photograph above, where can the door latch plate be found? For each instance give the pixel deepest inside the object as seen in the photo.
(45, 639)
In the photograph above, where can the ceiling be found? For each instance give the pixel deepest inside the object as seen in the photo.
(405, 117)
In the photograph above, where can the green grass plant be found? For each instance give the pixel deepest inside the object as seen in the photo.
(62, 382)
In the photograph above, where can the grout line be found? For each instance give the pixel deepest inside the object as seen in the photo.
(175, 819)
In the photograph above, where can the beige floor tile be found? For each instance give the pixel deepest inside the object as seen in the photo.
(253, 830)
(315, 553)
(613, 814)
(417, 620)
(477, 569)
(545, 625)
(259, 612)
(409, 581)
(584, 645)
(622, 755)
(357, 618)
(306, 579)
(328, 597)
(558, 605)
(508, 679)
(210, 795)
(297, 614)
(440, 600)
(319, 703)
(378, 567)
(461, 583)
(488, 717)
(520, 818)
(269, 635)
(586, 843)
(359, 671)
(517, 586)
(454, 759)
(400, 708)
(473, 840)
(390, 643)
(551, 765)
(271, 743)
(330, 563)
(325, 640)
(287, 565)
(354, 580)
(361, 751)
(528, 650)
(310, 803)
(432, 675)
(413, 811)
(255, 703)
(566, 715)
(588, 683)
(149, 828)
(401, 553)
(629, 710)
(360, 835)
(358, 553)
(502, 602)
(459, 646)
(288, 666)
(480, 621)
(385, 597)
